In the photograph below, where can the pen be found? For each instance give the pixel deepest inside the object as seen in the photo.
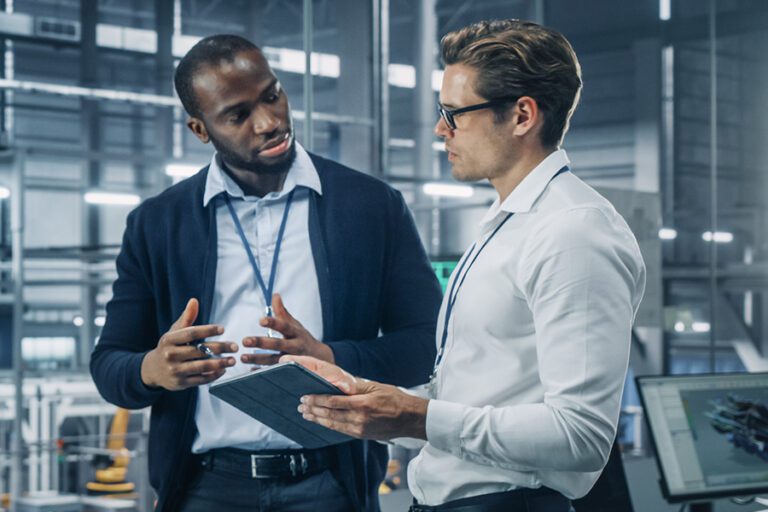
(206, 351)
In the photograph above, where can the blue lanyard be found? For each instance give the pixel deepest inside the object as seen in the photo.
(457, 283)
(267, 291)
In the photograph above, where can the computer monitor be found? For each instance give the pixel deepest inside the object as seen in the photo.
(710, 433)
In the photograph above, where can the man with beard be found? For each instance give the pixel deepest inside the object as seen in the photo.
(265, 227)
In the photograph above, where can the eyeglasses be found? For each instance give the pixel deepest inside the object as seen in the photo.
(448, 115)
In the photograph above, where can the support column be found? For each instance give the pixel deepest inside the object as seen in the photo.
(647, 54)
(354, 91)
(425, 166)
(91, 136)
(150, 179)
(380, 87)
(17, 275)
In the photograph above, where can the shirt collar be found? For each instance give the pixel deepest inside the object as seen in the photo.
(524, 196)
(302, 173)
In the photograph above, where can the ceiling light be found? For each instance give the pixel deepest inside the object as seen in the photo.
(111, 198)
(667, 233)
(721, 237)
(700, 326)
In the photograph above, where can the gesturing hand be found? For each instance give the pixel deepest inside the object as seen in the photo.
(296, 339)
(175, 364)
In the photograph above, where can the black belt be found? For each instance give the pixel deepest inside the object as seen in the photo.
(285, 464)
(542, 499)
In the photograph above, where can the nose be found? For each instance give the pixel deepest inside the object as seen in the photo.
(265, 122)
(442, 129)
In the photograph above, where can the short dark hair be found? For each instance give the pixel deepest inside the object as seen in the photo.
(520, 58)
(208, 51)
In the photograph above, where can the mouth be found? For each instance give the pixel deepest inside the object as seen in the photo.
(276, 147)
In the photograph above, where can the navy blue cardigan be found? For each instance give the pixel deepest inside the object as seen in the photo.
(379, 297)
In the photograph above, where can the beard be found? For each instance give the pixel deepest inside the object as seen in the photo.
(231, 158)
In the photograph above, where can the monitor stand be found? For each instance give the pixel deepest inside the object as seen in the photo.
(701, 506)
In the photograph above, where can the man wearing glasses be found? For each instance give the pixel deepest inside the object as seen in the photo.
(534, 333)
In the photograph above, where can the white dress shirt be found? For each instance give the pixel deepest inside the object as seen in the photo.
(528, 390)
(238, 302)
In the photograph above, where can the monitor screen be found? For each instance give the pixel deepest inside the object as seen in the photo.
(710, 433)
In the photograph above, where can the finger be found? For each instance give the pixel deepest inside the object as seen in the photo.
(192, 352)
(330, 372)
(337, 415)
(261, 359)
(199, 366)
(198, 380)
(344, 428)
(340, 403)
(218, 347)
(187, 334)
(278, 308)
(188, 316)
(285, 327)
(267, 343)
(308, 362)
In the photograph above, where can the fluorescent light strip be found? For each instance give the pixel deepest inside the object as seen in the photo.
(667, 233)
(447, 190)
(111, 198)
(88, 92)
(5, 192)
(665, 9)
(721, 237)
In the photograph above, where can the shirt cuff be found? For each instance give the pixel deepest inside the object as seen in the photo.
(444, 424)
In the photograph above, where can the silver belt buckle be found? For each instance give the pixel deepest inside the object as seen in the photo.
(255, 465)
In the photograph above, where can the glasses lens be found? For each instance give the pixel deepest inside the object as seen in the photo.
(447, 117)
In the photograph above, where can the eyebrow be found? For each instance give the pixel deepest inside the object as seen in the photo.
(230, 108)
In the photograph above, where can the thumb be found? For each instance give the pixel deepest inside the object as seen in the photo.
(278, 308)
(188, 316)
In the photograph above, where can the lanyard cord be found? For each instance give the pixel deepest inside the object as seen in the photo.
(267, 291)
(454, 292)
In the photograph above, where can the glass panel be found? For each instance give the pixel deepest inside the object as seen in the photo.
(342, 75)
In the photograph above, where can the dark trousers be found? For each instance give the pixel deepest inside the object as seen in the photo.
(217, 491)
(518, 500)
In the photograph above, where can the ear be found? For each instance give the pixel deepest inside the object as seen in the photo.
(197, 126)
(528, 118)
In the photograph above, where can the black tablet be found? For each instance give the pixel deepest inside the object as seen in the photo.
(272, 395)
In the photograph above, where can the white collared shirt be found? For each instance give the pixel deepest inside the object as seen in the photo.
(528, 390)
(238, 302)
